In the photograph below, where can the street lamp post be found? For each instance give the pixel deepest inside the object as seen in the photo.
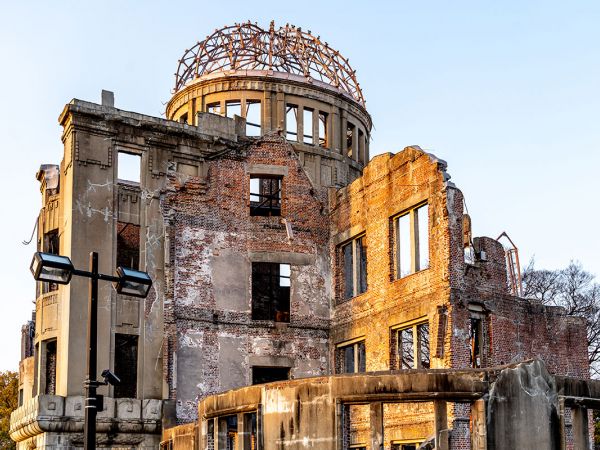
(59, 269)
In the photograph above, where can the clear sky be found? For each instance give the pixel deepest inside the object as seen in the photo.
(508, 93)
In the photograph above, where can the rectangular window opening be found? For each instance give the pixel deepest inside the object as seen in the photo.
(50, 373)
(291, 123)
(214, 108)
(128, 245)
(233, 108)
(228, 432)
(350, 129)
(353, 257)
(183, 118)
(271, 291)
(307, 121)
(410, 347)
(262, 375)
(351, 358)
(250, 431)
(475, 339)
(412, 241)
(323, 130)
(126, 357)
(265, 196)
(51, 245)
(253, 117)
(129, 167)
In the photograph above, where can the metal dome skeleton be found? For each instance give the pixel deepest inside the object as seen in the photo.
(288, 49)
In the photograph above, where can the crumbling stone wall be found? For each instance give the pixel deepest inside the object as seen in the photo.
(213, 240)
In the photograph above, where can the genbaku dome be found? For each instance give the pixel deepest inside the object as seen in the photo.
(305, 295)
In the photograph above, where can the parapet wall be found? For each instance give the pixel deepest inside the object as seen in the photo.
(314, 412)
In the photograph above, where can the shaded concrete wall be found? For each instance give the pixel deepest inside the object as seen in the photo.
(517, 406)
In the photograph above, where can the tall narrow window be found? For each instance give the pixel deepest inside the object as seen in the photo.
(307, 120)
(323, 130)
(249, 431)
(353, 257)
(265, 195)
(476, 341)
(129, 167)
(410, 347)
(233, 108)
(351, 358)
(50, 368)
(126, 356)
(350, 130)
(291, 122)
(271, 291)
(253, 118)
(51, 245)
(412, 241)
(128, 245)
(228, 433)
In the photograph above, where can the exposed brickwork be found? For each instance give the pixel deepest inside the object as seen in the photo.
(211, 218)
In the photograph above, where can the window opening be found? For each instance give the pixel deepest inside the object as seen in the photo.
(214, 108)
(129, 167)
(128, 245)
(253, 118)
(396, 446)
(408, 342)
(291, 123)
(351, 358)
(265, 196)
(228, 433)
(126, 354)
(307, 120)
(271, 291)
(361, 146)
(475, 339)
(51, 245)
(412, 241)
(354, 260)
(262, 375)
(50, 368)
(183, 118)
(250, 431)
(233, 108)
(323, 130)
(349, 140)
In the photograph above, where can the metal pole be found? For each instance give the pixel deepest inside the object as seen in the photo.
(92, 342)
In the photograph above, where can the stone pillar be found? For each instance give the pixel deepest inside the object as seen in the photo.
(441, 425)
(280, 111)
(333, 131)
(376, 425)
(266, 122)
(581, 430)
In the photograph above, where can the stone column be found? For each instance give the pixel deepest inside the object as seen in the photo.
(581, 430)
(376, 425)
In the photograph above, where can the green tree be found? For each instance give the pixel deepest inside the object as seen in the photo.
(9, 399)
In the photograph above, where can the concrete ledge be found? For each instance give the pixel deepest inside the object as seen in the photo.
(295, 259)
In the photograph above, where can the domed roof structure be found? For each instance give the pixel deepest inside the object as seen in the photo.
(288, 49)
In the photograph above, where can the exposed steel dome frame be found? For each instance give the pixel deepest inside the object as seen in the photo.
(288, 49)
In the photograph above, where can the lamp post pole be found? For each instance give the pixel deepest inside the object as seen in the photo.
(52, 268)
(92, 343)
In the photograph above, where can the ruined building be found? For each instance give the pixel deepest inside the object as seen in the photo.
(281, 253)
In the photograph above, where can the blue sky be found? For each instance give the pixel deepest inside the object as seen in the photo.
(508, 93)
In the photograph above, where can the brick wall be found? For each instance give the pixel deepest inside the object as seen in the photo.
(212, 240)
